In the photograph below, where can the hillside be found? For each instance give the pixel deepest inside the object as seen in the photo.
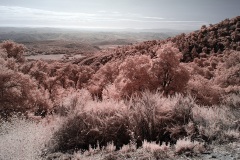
(206, 41)
(177, 98)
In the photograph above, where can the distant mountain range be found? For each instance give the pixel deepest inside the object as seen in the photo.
(41, 34)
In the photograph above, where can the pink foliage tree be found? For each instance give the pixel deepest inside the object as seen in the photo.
(139, 73)
(103, 77)
(19, 92)
(14, 50)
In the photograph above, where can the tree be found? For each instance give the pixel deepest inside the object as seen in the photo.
(14, 50)
(103, 77)
(172, 76)
(19, 93)
(134, 75)
(139, 73)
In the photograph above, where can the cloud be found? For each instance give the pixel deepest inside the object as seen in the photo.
(21, 12)
(21, 16)
(102, 11)
(159, 18)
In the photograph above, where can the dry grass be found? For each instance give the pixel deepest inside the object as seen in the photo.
(24, 139)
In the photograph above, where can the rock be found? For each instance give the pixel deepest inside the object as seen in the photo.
(214, 156)
(238, 157)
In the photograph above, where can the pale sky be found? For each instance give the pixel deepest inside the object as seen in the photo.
(116, 14)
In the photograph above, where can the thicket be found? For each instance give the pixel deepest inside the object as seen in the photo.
(151, 118)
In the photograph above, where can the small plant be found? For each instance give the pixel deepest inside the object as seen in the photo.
(231, 135)
(153, 146)
(131, 147)
(91, 151)
(110, 147)
(158, 151)
(186, 145)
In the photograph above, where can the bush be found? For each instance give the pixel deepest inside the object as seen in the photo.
(151, 117)
(186, 145)
(153, 146)
(212, 122)
(232, 102)
(157, 118)
(205, 91)
(99, 122)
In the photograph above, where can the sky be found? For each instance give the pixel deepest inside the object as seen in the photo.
(117, 14)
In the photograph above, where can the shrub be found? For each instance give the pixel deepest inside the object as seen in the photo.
(72, 75)
(231, 135)
(98, 122)
(19, 92)
(186, 145)
(172, 75)
(157, 118)
(232, 102)
(158, 151)
(205, 91)
(72, 101)
(131, 147)
(151, 117)
(212, 122)
(153, 146)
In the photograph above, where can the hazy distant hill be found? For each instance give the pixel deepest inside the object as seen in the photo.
(70, 41)
(88, 36)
